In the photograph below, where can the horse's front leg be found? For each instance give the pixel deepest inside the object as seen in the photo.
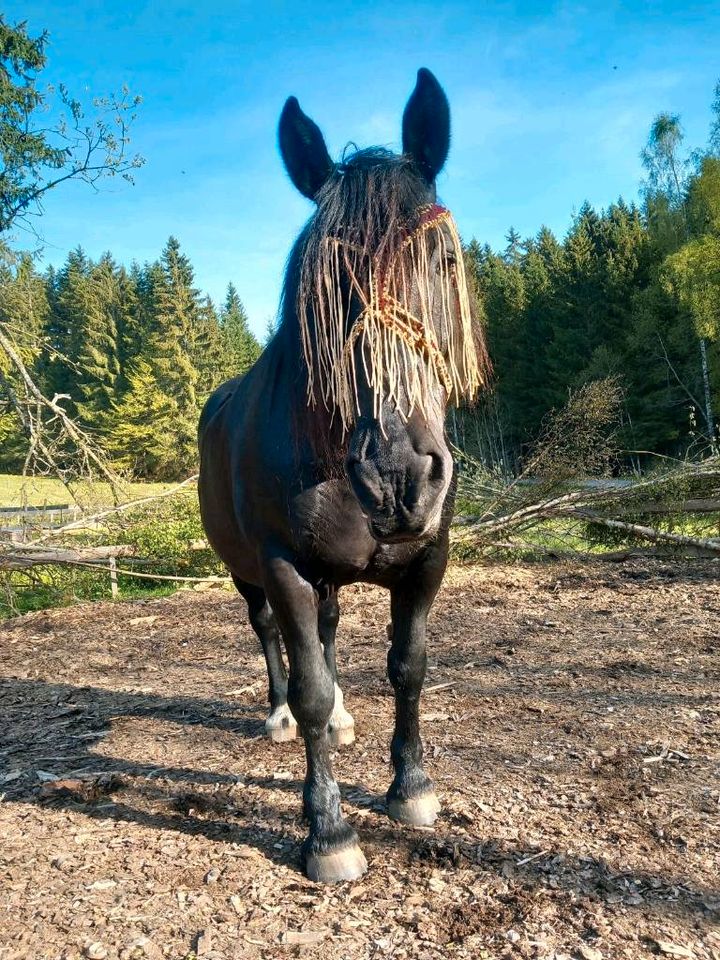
(411, 798)
(331, 851)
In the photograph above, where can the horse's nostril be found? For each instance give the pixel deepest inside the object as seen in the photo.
(365, 481)
(438, 467)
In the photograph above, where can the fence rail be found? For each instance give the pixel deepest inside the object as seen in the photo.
(17, 522)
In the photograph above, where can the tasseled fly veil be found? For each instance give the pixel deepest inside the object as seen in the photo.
(414, 330)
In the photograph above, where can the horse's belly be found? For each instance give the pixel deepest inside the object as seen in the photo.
(227, 540)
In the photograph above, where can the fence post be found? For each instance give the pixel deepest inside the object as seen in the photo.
(113, 577)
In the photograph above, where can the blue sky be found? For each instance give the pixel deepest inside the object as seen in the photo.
(551, 105)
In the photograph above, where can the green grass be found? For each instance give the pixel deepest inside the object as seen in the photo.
(46, 589)
(163, 532)
(19, 491)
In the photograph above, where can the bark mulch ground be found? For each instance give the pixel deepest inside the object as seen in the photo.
(571, 721)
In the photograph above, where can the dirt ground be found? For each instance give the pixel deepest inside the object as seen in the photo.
(571, 721)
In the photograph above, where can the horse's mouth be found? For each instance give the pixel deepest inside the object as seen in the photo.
(403, 534)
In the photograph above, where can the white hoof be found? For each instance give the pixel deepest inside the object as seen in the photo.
(348, 863)
(280, 726)
(419, 811)
(341, 726)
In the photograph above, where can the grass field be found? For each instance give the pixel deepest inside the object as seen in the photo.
(19, 491)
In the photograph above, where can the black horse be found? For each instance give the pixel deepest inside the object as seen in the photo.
(328, 464)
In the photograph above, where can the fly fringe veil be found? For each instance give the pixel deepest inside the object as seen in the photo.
(415, 327)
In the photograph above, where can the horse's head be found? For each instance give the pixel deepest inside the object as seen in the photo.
(383, 309)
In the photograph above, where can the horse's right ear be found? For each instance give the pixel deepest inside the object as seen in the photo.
(303, 149)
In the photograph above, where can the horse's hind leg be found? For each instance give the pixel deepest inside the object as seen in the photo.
(341, 726)
(280, 724)
(411, 798)
(331, 851)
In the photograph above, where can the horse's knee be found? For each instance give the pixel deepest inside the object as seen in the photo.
(406, 668)
(311, 696)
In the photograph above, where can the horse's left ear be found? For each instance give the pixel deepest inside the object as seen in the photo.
(303, 149)
(426, 125)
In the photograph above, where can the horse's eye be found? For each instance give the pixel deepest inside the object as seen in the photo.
(446, 263)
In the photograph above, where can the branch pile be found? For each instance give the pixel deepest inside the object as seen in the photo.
(613, 505)
(553, 491)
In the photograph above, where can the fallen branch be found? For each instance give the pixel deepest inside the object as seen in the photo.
(36, 428)
(90, 560)
(112, 511)
(25, 556)
(440, 686)
(704, 479)
(650, 533)
(606, 556)
(681, 506)
(120, 571)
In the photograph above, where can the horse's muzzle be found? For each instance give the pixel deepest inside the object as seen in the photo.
(399, 483)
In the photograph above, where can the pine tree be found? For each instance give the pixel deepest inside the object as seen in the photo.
(141, 432)
(241, 346)
(24, 306)
(208, 350)
(176, 311)
(176, 307)
(132, 330)
(271, 328)
(23, 314)
(513, 250)
(70, 304)
(97, 342)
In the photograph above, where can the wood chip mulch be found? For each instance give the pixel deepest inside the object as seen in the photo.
(571, 722)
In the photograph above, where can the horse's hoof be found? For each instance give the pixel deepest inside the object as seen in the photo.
(348, 863)
(341, 736)
(418, 811)
(280, 726)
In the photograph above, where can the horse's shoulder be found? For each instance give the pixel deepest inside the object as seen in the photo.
(217, 399)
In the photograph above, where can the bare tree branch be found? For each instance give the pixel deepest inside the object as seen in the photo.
(50, 418)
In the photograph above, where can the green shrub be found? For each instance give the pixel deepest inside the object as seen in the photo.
(167, 537)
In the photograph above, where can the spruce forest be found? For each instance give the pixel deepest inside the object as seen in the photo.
(631, 295)
(133, 353)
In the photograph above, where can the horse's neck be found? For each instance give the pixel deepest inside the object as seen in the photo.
(314, 435)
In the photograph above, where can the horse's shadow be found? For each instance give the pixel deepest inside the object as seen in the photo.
(40, 717)
(57, 728)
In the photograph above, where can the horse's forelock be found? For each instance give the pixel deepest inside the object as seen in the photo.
(373, 193)
(367, 211)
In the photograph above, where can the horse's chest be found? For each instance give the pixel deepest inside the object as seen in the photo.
(330, 528)
(335, 541)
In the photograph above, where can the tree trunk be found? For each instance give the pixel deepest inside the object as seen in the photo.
(709, 417)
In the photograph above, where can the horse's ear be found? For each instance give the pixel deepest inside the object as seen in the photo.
(303, 149)
(426, 125)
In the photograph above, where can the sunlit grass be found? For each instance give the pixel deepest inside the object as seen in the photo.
(19, 491)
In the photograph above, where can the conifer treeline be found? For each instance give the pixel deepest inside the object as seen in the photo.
(135, 352)
(630, 293)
